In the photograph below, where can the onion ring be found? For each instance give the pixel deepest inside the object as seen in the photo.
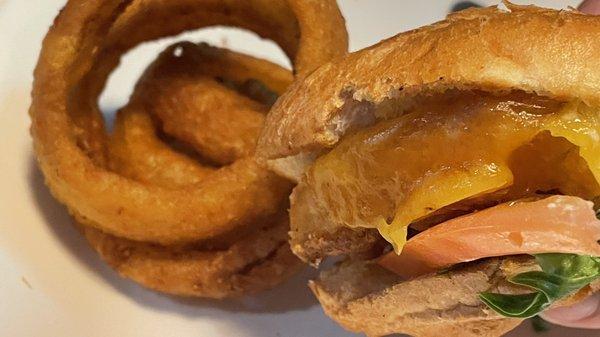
(176, 87)
(164, 219)
(81, 49)
(254, 258)
(192, 107)
(259, 261)
(137, 152)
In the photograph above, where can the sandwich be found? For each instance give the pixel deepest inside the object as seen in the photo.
(452, 172)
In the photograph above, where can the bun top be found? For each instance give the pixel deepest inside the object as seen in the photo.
(542, 51)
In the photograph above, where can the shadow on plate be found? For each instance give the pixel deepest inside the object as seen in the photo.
(293, 295)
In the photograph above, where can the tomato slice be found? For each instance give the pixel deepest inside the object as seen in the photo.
(556, 224)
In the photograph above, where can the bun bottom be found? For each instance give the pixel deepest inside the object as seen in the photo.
(364, 297)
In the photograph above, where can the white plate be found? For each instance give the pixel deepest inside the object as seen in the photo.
(52, 284)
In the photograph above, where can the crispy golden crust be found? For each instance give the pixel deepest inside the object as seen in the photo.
(142, 204)
(177, 89)
(364, 297)
(258, 261)
(190, 59)
(83, 46)
(193, 107)
(220, 123)
(137, 152)
(310, 32)
(544, 51)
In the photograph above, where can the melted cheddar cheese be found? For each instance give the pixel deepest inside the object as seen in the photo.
(458, 147)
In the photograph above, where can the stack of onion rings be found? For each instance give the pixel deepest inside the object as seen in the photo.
(210, 227)
(180, 93)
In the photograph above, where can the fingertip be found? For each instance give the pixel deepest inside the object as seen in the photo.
(583, 315)
(590, 7)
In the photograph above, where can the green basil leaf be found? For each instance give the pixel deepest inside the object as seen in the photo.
(561, 276)
(520, 306)
(571, 266)
(549, 285)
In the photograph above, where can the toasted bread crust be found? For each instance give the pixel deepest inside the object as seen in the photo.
(363, 297)
(464, 51)
(314, 236)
